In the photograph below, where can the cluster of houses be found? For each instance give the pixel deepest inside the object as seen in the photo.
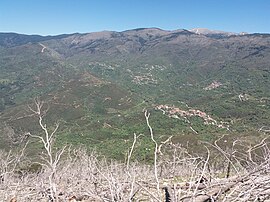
(145, 79)
(213, 85)
(175, 112)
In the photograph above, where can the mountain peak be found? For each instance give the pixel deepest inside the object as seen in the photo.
(205, 31)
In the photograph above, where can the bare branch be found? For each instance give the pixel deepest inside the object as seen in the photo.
(147, 115)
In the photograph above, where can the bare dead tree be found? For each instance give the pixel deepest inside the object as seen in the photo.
(51, 159)
(147, 115)
(84, 176)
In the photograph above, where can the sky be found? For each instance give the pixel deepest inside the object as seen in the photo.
(52, 17)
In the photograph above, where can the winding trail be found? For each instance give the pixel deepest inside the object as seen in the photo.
(43, 47)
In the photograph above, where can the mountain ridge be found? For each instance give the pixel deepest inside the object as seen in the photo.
(99, 83)
(36, 37)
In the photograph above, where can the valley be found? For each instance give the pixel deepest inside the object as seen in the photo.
(98, 85)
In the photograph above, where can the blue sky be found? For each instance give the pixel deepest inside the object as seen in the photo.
(51, 17)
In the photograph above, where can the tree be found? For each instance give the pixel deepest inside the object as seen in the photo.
(51, 159)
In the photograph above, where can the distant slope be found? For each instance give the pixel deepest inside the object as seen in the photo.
(14, 39)
(99, 83)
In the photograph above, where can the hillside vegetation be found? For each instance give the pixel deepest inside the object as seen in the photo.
(232, 172)
(197, 87)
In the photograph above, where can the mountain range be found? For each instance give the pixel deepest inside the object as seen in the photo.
(197, 84)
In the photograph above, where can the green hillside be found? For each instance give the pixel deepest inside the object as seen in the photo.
(97, 85)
